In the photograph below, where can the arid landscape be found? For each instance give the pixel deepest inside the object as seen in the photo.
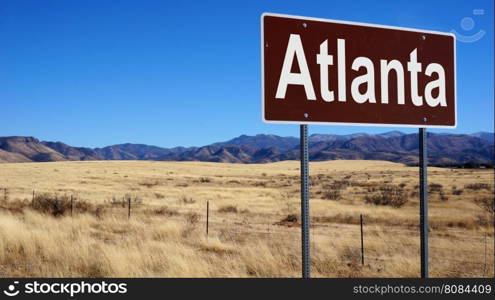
(253, 219)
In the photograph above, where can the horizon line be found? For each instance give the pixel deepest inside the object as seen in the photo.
(258, 134)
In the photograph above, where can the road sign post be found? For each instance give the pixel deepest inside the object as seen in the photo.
(306, 254)
(423, 202)
(317, 71)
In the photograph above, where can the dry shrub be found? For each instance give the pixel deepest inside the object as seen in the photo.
(290, 220)
(332, 194)
(260, 183)
(482, 220)
(61, 205)
(159, 196)
(162, 211)
(388, 195)
(47, 203)
(117, 202)
(350, 255)
(340, 184)
(228, 209)
(442, 196)
(16, 207)
(4, 194)
(485, 203)
(50, 204)
(186, 200)
(192, 218)
(478, 186)
(81, 206)
(465, 224)
(150, 183)
(434, 187)
(205, 179)
(99, 211)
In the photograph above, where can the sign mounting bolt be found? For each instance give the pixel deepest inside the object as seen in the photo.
(306, 115)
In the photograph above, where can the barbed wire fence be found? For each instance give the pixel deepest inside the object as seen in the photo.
(479, 264)
(475, 261)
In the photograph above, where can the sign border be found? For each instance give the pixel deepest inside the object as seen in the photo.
(265, 14)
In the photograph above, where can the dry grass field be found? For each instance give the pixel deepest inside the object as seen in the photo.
(253, 230)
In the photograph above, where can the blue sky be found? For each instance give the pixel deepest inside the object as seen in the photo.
(168, 73)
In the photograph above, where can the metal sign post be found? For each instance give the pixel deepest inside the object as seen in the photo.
(305, 97)
(423, 202)
(306, 258)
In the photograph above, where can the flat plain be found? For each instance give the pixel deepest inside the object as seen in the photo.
(253, 219)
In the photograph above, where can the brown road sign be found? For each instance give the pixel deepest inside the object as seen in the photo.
(324, 71)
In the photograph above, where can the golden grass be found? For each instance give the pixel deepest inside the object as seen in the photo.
(165, 236)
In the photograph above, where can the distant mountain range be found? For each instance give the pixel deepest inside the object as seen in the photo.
(390, 146)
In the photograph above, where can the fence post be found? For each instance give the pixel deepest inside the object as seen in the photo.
(207, 216)
(32, 200)
(5, 194)
(362, 241)
(71, 205)
(129, 209)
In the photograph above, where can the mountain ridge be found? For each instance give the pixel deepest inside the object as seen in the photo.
(263, 148)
